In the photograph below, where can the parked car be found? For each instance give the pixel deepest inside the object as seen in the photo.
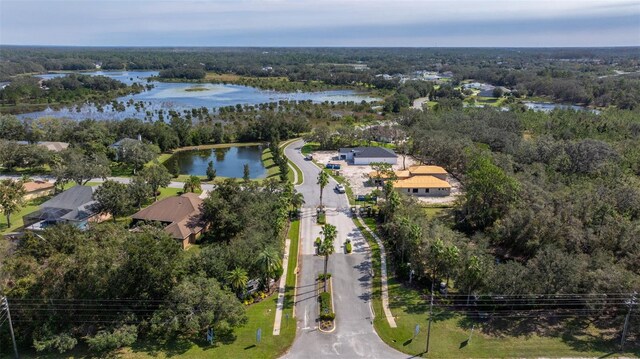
(340, 188)
(308, 157)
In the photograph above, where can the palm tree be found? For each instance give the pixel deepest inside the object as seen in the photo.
(11, 197)
(297, 200)
(269, 264)
(326, 248)
(192, 184)
(323, 181)
(237, 280)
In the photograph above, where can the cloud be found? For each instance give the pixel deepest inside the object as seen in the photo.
(325, 23)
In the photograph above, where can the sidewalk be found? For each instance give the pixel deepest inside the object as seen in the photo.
(383, 275)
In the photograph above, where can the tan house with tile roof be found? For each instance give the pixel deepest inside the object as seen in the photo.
(420, 180)
(36, 189)
(181, 215)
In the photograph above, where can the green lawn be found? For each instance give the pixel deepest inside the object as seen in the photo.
(267, 161)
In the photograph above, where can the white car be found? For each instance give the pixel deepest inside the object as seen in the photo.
(340, 188)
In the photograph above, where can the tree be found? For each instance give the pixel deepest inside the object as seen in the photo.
(237, 280)
(297, 200)
(195, 305)
(113, 198)
(211, 172)
(269, 265)
(246, 173)
(326, 248)
(175, 169)
(136, 153)
(323, 181)
(192, 184)
(383, 172)
(138, 191)
(489, 193)
(11, 197)
(156, 176)
(81, 168)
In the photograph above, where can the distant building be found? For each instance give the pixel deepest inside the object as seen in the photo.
(118, 144)
(368, 155)
(36, 189)
(74, 206)
(181, 216)
(51, 146)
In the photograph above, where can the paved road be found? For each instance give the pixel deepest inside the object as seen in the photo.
(354, 336)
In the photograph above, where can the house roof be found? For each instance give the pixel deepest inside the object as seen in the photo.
(122, 141)
(427, 170)
(421, 182)
(51, 146)
(399, 174)
(37, 186)
(371, 152)
(74, 204)
(182, 212)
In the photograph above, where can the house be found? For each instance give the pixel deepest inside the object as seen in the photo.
(51, 146)
(75, 206)
(181, 216)
(421, 180)
(368, 155)
(118, 144)
(423, 186)
(36, 189)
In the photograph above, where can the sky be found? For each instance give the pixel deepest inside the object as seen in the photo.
(293, 23)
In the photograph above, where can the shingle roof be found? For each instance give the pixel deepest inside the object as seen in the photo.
(76, 203)
(182, 212)
(421, 182)
(371, 152)
(427, 170)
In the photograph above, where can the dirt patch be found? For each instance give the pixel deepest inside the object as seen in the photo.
(358, 176)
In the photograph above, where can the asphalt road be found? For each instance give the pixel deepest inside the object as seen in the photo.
(354, 336)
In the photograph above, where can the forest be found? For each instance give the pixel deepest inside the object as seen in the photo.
(578, 75)
(93, 275)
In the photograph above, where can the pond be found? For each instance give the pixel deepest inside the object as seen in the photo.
(228, 161)
(179, 96)
(550, 106)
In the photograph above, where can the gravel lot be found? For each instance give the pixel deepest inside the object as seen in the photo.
(358, 176)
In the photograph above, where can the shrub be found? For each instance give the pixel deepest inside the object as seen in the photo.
(348, 247)
(328, 316)
(322, 218)
(317, 242)
(110, 340)
(321, 276)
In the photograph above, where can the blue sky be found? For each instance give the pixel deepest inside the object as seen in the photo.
(419, 23)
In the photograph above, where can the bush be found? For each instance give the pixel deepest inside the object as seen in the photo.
(321, 276)
(120, 337)
(322, 218)
(325, 307)
(348, 247)
(328, 316)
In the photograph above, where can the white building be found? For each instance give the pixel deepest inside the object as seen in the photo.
(368, 155)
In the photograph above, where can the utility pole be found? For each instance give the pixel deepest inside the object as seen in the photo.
(430, 317)
(4, 304)
(631, 303)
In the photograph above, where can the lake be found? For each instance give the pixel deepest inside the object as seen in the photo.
(228, 161)
(181, 96)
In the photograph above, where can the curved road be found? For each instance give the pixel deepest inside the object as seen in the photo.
(354, 336)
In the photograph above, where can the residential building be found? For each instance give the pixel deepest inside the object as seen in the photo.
(36, 189)
(51, 146)
(181, 216)
(368, 155)
(74, 206)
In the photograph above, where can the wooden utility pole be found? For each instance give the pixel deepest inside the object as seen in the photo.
(4, 305)
(625, 328)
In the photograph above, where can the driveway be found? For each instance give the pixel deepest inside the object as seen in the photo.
(354, 336)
